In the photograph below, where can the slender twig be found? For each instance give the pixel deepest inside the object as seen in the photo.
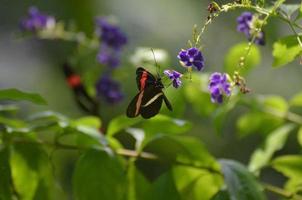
(281, 192)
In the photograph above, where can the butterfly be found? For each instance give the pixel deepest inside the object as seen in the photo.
(83, 99)
(148, 101)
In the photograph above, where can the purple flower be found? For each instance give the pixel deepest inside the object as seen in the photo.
(110, 34)
(245, 25)
(36, 20)
(174, 76)
(219, 86)
(109, 90)
(108, 56)
(191, 57)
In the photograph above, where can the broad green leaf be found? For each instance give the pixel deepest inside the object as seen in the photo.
(275, 102)
(241, 184)
(89, 126)
(31, 172)
(162, 188)
(197, 94)
(5, 174)
(90, 121)
(165, 149)
(299, 136)
(120, 123)
(193, 183)
(236, 52)
(286, 50)
(195, 152)
(296, 100)
(98, 175)
(289, 9)
(274, 142)
(262, 118)
(171, 149)
(17, 95)
(161, 124)
(290, 166)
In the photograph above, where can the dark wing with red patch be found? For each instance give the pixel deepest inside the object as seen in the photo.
(144, 78)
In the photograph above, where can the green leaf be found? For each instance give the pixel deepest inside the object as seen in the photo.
(275, 102)
(98, 175)
(171, 149)
(166, 149)
(162, 188)
(274, 142)
(5, 174)
(120, 123)
(193, 183)
(299, 135)
(90, 121)
(289, 9)
(286, 50)
(17, 95)
(290, 166)
(161, 124)
(296, 100)
(31, 172)
(241, 184)
(236, 52)
(195, 152)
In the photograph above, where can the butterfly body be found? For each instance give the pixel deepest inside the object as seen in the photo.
(148, 101)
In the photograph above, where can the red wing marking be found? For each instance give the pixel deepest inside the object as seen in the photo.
(74, 80)
(143, 80)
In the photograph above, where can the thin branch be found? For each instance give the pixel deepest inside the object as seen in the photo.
(281, 192)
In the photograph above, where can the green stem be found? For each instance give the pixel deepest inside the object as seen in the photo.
(281, 192)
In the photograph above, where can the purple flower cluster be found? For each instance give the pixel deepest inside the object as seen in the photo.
(35, 20)
(113, 39)
(109, 89)
(174, 76)
(245, 25)
(191, 57)
(219, 86)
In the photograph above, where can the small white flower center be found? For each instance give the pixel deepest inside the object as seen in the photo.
(191, 59)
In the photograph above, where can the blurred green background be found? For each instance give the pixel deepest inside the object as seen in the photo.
(35, 65)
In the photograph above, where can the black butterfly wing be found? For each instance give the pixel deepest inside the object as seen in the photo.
(167, 102)
(132, 108)
(152, 101)
(143, 75)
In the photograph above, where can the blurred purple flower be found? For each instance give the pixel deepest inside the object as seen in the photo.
(109, 89)
(110, 34)
(109, 57)
(219, 86)
(244, 22)
(191, 57)
(175, 77)
(36, 20)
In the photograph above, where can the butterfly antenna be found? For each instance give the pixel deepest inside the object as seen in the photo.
(156, 64)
